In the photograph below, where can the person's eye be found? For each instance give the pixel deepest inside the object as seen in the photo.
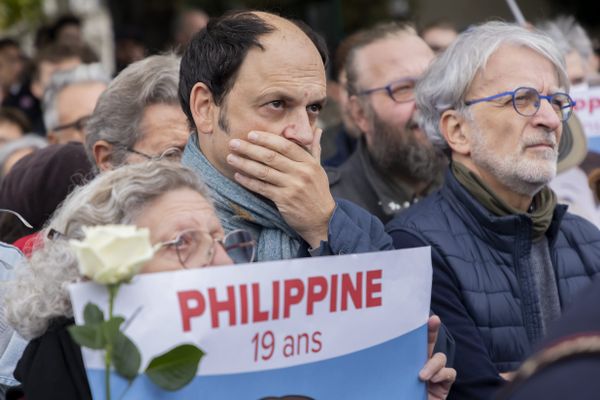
(314, 108)
(276, 104)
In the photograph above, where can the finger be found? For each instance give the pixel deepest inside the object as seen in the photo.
(433, 328)
(432, 366)
(445, 375)
(283, 146)
(437, 391)
(253, 169)
(261, 154)
(316, 144)
(255, 185)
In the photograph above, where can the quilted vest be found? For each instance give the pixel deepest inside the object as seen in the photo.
(489, 257)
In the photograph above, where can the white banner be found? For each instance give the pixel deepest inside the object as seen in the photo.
(304, 321)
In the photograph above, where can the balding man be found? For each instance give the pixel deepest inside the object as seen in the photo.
(252, 85)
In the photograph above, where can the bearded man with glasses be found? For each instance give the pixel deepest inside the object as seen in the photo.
(394, 164)
(507, 258)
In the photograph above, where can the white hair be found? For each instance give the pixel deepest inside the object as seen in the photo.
(446, 82)
(566, 31)
(84, 73)
(39, 293)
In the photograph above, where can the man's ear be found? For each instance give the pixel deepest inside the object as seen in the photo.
(202, 107)
(359, 115)
(102, 151)
(453, 127)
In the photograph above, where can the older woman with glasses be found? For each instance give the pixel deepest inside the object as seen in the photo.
(164, 197)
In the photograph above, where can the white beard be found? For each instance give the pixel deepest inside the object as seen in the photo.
(521, 171)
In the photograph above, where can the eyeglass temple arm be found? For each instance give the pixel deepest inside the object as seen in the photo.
(469, 102)
(19, 216)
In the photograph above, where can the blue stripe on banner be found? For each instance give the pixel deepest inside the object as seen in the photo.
(385, 371)
(594, 144)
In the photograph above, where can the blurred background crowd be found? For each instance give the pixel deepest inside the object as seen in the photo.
(89, 85)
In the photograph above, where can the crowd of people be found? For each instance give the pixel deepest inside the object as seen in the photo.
(450, 140)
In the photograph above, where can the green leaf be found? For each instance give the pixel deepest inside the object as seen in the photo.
(126, 357)
(111, 328)
(176, 368)
(92, 314)
(88, 336)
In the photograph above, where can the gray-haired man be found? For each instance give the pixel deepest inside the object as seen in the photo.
(69, 100)
(138, 117)
(507, 259)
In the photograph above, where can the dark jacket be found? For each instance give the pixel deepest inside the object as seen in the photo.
(575, 376)
(359, 181)
(351, 230)
(482, 277)
(52, 367)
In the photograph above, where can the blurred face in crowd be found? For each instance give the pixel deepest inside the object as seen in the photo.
(11, 66)
(47, 69)
(176, 212)
(164, 129)
(73, 105)
(69, 34)
(439, 38)
(192, 22)
(509, 151)
(393, 137)
(576, 69)
(280, 90)
(9, 131)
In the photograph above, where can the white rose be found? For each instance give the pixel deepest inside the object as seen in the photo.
(112, 253)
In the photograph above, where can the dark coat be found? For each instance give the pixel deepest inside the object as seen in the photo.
(574, 377)
(52, 367)
(482, 278)
(359, 181)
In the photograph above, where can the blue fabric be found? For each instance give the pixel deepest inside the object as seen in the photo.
(351, 228)
(238, 208)
(482, 281)
(11, 344)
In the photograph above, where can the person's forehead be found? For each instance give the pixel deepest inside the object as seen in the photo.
(286, 58)
(393, 57)
(513, 65)
(177, 210)
(162, 126)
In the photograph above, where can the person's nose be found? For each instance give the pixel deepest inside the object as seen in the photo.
(300, 130)
(546, 117)
(220, 256)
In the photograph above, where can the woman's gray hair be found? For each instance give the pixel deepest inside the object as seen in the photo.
(446, 82)
(39, 293)
(117, 116)
(84, 73)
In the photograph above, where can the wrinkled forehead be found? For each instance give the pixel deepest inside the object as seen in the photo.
(509, 63)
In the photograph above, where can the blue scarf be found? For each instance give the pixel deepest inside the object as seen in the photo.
(238, 208)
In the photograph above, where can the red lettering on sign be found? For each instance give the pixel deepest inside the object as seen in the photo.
(227, 305)
(258, 315)
(317, 291)
(373, 288)
(293, 292)
(187, 310)
(352, 291)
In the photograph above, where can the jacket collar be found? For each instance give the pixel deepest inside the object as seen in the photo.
(483, 222)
